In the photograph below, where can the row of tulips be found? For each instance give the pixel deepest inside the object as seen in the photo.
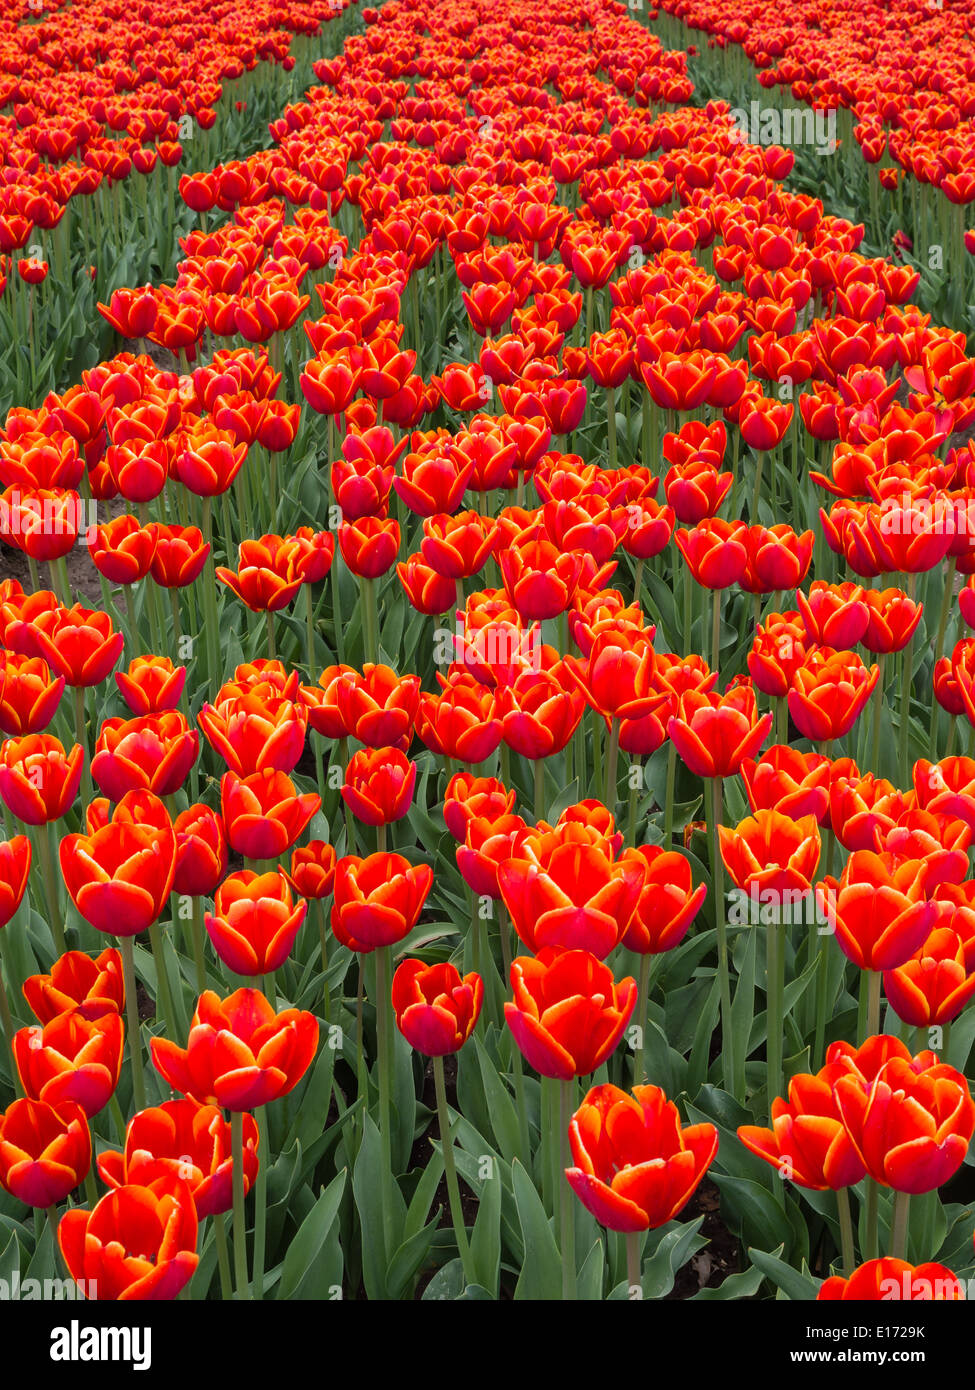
(888, 93)
(452, 220)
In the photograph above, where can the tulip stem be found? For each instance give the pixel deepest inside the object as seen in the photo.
(634, 1273)
(715, 629)
(384, 1063)
(773, 993)
(323, 942)
(223, 1258)
(635, 784)
(878, 706)
(91, 1188)
(642, 1006)
(210, 594)
(240, 1229)
(310, 632)
(870, 1244)
(272, 650)
(612, 758)
(669, 796)
(871, 983)
(82, 737)
(52, 1221)
(539, 770)
(260, 1203)
(846, 1231)
(907, 672)
(369, 628)
(6, 1020)
(44, 833)
(134, 1026)
(450, 1173)
(733, 1072)
(566, 1206)
(163, 993)
(199, 960)
(898, 1230)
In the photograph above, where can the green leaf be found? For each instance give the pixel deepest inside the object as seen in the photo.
(589, 1284)
(752, 1211)
(797, 1287)
(743, 1285)
(312, 1234)
(368, 1181)
(500, 1107)
(673, 1251)
(447, 1285)
(486, 1236)
(408, 1259)
(541, 1272)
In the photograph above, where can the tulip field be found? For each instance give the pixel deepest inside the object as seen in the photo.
(487, 652)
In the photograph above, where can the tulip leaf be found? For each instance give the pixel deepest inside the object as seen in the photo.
(486, 1236)
(541, 1271)
(314, 1099)
(500, 1107)
(797, 1287)
(10, 1259)
(447, 1285)
(746, 1284)
(698, 1064)
(408, 1258)
(752, 1211)
(307, 1244)
(426, 1190)
(589, 1283)
(674, 1248)
(743, 998)
(368, 1184)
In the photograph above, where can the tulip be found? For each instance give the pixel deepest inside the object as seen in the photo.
(808, 1143)
(254, 922)
(378, 787)
(636, 1166)
(151, 685)
(568, 1013)
(29, 697)
(263, 813)
(45, 1151)
(185, 1140)
(77, 981)
(152, 751)
(891, 1278)
(158, 1221)
(911, 1125)
(72, 1058)
(377, 900)
(38, 781)
(566, 890)
(240, 1054)
(435, 1008)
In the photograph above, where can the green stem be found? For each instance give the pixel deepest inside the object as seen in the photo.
(870, 1245)
(612, 758)
(898, 1230)
(732, 1066)
(566, 1205)
(240, 1229)
(634, 1274)
(846, 1231)
(81, 735)
(450, 1174)
(134, 1026)
(223, 1257)
(162, 982)
(260, 1200)
(385, 1092)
